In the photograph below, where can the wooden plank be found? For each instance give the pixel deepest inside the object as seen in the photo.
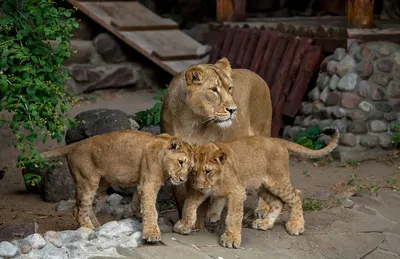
(255, 36)
(260, 50)
(129, 25)
(234, 49)
(180, 65)
(268, 51)
(165, 45)
(107, 1)
(226, 46)
(309, 61)
(247, 33)
(277, 117)
(275, 60)
(217, 45)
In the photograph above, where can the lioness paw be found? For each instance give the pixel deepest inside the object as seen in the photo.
(295, 227)
(152, 235)
(230, 241)
(262, 224)
(181, 228)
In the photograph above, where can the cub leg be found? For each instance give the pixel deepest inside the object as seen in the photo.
(285, 191)
(275, 208)
(232, 236)
(215, 210)
(148, 194)
(201, 216)
(189, 212)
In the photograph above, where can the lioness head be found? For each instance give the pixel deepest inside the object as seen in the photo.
(178, 160)
(209, 93)
(208, 168)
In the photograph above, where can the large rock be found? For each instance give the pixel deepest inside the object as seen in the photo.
(97, 122)
(346, 66)
(109, 48)
(348, 82)
(83, 52)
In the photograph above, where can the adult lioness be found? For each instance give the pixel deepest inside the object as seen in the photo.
(213, 102)
(227, 169)
(127, 157)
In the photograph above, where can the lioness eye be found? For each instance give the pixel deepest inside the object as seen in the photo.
(214, 89)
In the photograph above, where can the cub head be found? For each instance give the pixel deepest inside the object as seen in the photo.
(178, 160)
(208, 169)
(209, 93)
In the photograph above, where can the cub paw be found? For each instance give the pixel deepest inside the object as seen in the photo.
(181, 228)
(151, 235)
(262, 224)
(213, 217)
(230, 241)
(260, 213)
(295, 227)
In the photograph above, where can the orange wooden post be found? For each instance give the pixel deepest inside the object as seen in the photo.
(225, 11)
(360, 14)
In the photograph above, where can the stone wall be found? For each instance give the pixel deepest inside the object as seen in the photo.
(358, 91)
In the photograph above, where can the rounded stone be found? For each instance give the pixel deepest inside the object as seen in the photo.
(358, 128)
(7, 249)
(36, 241)
(378, 126)
(364, 89)
(366, 106)
(314, 94)
(333, 82)
(348, 139)
(286, 131)
(340, 125)
(390, 116)
(306, 108)
(293, 131)
(369, 140)
(385, 140)
(380, 78)
(365, 69)
(350, 100)
(378, 94)
(325, 123)
(366, 52)
(331, 67)
(298, 120)
(358, 115)
(338, 112)
(333, 99)
(393, 89)
(383, 107)
(348, 82)
(385, 65)
(339, 54)
(346, 65)
(324, 94)
(354, 48)
(375, 115)
(24, 246)
(307, 121)
(384, 50)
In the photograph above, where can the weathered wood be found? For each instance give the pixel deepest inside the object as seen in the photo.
(260, 50)
(268, 51)
(309, 62)
(236, 42)
(226, 46)
(131, 25)
(246, 37)
(360, 13)
(217, 45)
(247, 59)
(239, 8)
(225, 10)
(279, 77)
(275, 59)
(277, 117)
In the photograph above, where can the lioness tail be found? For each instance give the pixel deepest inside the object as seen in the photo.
(297, 149)
(58, 152)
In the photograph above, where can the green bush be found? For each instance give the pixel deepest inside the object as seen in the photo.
(151, 116)
(309, 137)
(395, 128)
(34, 42)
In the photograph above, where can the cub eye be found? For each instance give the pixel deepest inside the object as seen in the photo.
(208, 171)
(230, 88)
(180, 162)
(214, 89)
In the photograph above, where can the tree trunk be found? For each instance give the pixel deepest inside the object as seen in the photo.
(360, 13)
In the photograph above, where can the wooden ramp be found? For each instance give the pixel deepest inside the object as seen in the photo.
(159, 39)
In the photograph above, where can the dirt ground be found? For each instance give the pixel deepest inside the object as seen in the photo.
(324, 180)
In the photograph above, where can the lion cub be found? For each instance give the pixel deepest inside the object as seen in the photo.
(127, 157)
(227, 169)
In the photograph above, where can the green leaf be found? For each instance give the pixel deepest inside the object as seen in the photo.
(31, 90)
(149, 120)
(44, 138)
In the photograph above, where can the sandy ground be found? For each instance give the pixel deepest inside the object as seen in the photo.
(322, 178)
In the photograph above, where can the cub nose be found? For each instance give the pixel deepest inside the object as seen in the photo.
(231, 110)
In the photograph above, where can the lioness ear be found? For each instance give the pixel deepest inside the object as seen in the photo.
(194, 75)
(220, 156)
(224, 64)
(174, 145)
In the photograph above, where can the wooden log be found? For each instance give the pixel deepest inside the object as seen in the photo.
(275, 60)
(281, 74)
(236, 43)
(217, 46)
(360, 14)
(268, 51)
(230, 33)
(225, 11)
(309, 62)
(255, 36)
(246, 37)
(260, 50)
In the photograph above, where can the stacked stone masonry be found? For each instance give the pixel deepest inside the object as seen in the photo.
(358, 91)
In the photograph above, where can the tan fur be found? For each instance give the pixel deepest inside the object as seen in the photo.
(228, 169)
(126, 158)
(196, 103)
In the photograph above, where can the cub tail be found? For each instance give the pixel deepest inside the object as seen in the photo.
(297, 149)
(58, 152)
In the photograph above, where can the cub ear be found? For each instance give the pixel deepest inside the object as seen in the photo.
(174, 144)
(224, 64)
(194, 75)
(220, 156)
